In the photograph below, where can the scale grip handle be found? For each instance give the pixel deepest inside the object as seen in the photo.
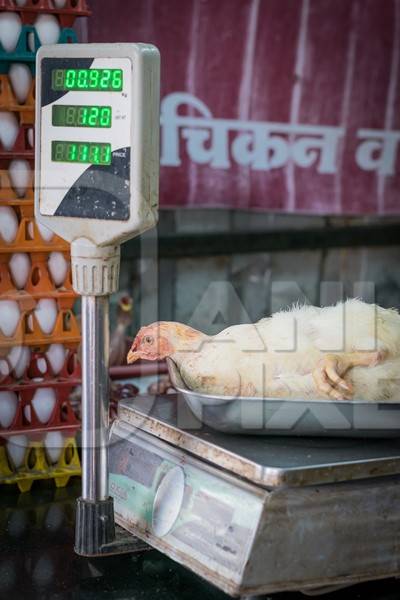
(94, 527)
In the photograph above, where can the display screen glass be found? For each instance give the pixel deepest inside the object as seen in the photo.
(81, 152)
(65, 115)
(100, 80)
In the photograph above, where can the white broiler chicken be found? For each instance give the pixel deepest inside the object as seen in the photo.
(347, 351)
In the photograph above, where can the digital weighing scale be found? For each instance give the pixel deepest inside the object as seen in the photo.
(252, 514)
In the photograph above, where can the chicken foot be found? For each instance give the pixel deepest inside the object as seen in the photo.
(331, 369)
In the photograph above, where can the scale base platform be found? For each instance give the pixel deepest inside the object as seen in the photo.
(256, 515)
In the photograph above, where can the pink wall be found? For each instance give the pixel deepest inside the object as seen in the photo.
(297, 100)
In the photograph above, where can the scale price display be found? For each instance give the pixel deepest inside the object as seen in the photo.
(100, 80)
(66, 115)
(81, 152)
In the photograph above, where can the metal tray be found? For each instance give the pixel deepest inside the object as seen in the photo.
(289, 417)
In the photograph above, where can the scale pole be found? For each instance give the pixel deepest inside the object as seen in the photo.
(95, 397)
(95, 274)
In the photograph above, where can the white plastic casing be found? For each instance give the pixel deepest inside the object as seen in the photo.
(144, 134)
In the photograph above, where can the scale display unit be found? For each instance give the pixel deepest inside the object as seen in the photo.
(251, 514)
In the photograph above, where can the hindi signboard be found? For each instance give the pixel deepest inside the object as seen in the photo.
(273, 104)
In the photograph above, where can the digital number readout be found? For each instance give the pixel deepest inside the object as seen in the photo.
(100, 80)
(64, 115)
(81, 152)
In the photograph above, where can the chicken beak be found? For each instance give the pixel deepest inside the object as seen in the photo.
(132, 357)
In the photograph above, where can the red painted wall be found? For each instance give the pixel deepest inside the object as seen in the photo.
(297, 100)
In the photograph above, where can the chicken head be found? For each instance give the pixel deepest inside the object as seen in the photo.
(162, 339)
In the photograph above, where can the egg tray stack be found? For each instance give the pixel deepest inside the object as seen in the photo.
(27, 21)
(39, 442)
(38, 428)
(35, 331)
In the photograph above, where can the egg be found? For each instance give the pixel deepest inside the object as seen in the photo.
(19, 358)
(20, 266)
(8, 408)
(16, 448)
(56, 357)
(54, 444)
(46, 314)
(21, 176)
(10, 30)
(8, 224)
(41, 365)
(27, 407)
(48, 30)
(45, 233)
(31, 137)
(59, 3)
(9, 127)
(21, 79)
(9, 317)
(58, 267)
(43, 402)
(4, 368)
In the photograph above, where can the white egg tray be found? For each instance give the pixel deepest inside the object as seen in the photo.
(290, 417)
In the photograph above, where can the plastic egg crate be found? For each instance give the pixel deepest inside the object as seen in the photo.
(66, 11)
(24, 459)
(19, 232)
(22, 367)
(37, 323)
(37, 406)
(40, 275)
(19, 144)
(19, 43)
(17, 93)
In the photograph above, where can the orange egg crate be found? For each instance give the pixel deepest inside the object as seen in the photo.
(66, 15)
(9, 102)
(29, 333)
(25, 208)
(23, 146)
(28, 238)
(39, 283)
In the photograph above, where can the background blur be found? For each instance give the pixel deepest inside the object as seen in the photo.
(280, 167)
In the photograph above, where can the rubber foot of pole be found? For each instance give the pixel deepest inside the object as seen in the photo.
(94, 526)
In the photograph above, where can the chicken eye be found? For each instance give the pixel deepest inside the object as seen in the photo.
(148, 339)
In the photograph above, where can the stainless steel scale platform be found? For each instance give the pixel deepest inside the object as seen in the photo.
(255, 514)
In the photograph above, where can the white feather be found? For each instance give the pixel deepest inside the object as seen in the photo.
(276, 356)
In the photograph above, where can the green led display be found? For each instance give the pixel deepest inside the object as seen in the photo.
(87, 80)
(64, 115)
(81, 152)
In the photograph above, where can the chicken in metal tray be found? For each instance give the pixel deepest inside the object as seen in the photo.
(342, 352)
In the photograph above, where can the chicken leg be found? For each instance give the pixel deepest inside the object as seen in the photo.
(331, 369)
